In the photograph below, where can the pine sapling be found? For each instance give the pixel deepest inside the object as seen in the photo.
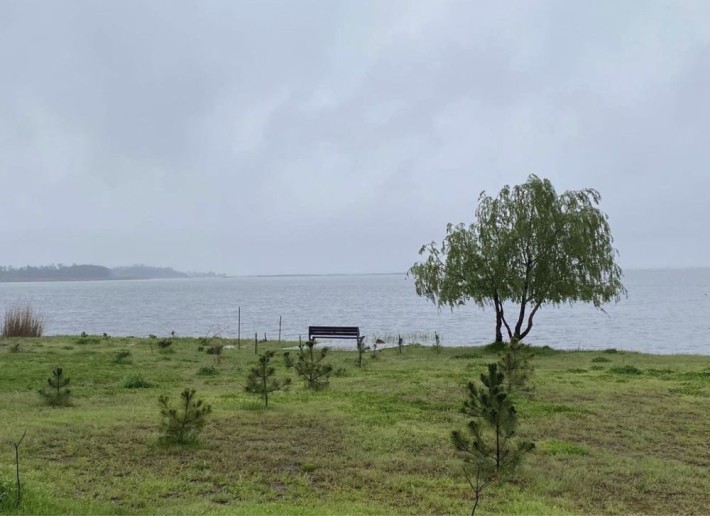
(309, 365)
(261, 381)
(56, 393)
(361, 350)
(490, 449)
(182, 425)
(514, 363)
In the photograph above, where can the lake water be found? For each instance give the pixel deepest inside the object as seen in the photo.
(667, 311)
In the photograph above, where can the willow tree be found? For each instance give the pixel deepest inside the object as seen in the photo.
(527, 247)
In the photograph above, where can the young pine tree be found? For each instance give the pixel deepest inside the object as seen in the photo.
(514, 363)
(56, 392)
(261, 381)
(361, 350)
(182, 425)
(309, 365)
(490, 448)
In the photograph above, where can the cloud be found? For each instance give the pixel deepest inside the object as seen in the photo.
(267, 137)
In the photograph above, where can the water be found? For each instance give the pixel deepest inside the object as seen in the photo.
(667, 311)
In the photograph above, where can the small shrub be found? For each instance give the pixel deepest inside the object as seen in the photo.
(182, 425)
(494, 347)
(514, 363)
(601, 359)
(610, 350)
(121, 356)
(662, 373)
(165, 343)
(87, 339)
(628, 369)
(56, 392)
(546, 351)
(489, 449)
(216, 351)
(137, 382)
(209, 370)
(261, 381)
(361, 350)
(576, 370)
(437, 343)
(310, 366)
(21, 320)
(7, 495)
(15, 348)
(467, 356)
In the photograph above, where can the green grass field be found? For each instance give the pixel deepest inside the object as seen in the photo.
(614, 432)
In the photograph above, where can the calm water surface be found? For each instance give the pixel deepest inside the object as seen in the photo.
(667, 311)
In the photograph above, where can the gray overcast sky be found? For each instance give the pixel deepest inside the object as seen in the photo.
(253, 137)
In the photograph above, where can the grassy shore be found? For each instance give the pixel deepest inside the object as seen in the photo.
(616, 432)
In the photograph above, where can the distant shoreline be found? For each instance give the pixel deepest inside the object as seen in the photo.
(90, 272)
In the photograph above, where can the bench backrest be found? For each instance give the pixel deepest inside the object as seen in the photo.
(334, 332)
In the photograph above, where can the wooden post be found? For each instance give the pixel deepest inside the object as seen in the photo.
(239, 327)
(264, 336)
(256, 343)
(399, 343)
(279, 329)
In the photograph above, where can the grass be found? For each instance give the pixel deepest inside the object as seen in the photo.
(627, 436)
(21, 320)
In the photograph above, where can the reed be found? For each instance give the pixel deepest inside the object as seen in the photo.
(22, 320)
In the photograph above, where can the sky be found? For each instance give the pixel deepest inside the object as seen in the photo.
(285, 137)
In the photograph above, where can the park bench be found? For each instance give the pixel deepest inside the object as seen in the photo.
(334, 332)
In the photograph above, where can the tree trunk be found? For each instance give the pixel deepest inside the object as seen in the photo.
(499, 319)
(530, 320)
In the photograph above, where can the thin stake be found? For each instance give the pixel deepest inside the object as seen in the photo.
(256, 343)
(239, 327)
(279, 329)
(17, 468)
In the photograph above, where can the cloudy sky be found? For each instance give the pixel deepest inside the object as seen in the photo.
(270, 137)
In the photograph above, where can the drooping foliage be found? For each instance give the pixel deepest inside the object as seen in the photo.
(528, 246)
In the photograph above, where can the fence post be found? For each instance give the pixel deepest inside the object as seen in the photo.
(256, 343)
(279, 329)
(239, 327)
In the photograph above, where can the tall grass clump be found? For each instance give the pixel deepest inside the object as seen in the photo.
(21, 320)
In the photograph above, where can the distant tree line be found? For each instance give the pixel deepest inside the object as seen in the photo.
(90, 273)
